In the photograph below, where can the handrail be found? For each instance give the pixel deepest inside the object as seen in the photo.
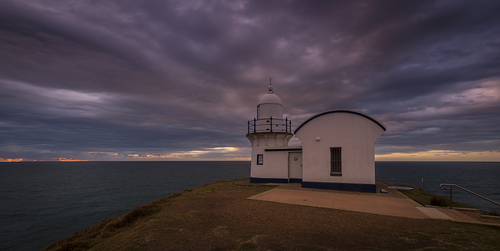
(269, 125)
(451, 196)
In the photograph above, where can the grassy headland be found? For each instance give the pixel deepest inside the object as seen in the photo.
(433, 200)
(218, 216)
(424, 198)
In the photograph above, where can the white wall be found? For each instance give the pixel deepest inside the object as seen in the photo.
(275, 166)
(275, 162)
(354, 133)
(268, 110)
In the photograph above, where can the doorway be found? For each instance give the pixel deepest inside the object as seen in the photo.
(295, 167)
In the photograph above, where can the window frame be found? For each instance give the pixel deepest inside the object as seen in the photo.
(260, 161)
(335, 161)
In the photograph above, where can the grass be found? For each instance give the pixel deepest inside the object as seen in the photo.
(247, 237)
(426, 198)
(110, 226)
(434, 200)
(248, 246)
(463, 236)
(439, 201)
(309, 248)
(138, 228)
(495, 211)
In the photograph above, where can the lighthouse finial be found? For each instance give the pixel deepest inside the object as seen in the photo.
(270, 87)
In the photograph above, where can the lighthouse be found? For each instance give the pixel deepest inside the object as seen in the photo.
(266, 132)
(337, 148)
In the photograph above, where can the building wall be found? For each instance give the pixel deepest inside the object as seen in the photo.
(354, 133)
(270, 110)
(275, 165)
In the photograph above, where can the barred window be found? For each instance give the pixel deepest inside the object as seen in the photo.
(260, 159)
(336, 160)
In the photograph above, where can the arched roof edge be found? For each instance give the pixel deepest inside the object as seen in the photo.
(270, 103)
(345, 111)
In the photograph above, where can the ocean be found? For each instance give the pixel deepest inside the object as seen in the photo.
(45, 201)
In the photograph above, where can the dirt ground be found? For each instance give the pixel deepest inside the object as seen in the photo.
(223, 219)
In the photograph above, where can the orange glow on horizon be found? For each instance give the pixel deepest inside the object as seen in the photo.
(235, 154)
(69, 160)
(35, 160)
(11, 160)
(226, 154)
(242, 159)
(440, 155)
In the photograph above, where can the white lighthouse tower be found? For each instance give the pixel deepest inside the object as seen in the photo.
(268, 132)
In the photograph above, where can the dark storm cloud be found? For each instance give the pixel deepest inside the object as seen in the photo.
(103, 80)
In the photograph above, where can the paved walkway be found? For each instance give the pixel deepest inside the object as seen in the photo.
(392, 203)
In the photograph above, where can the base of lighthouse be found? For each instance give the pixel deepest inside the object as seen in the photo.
(270, 158)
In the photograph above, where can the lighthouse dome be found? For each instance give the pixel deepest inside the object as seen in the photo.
(270, 98)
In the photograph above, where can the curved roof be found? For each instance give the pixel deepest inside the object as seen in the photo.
(344, 111)
(270, 98)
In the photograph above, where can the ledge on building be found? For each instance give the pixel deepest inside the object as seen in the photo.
(284, 149)
(268, 180)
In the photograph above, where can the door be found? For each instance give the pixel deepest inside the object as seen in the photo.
(295, 167)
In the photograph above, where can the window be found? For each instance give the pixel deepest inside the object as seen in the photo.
(336, 161)
(260, 159)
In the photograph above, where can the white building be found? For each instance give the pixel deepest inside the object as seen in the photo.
(337, 152)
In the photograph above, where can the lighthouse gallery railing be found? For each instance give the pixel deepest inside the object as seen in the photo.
(269, 125)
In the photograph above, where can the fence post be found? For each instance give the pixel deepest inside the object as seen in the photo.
(286, 125)
(254, 127)
(451, 197)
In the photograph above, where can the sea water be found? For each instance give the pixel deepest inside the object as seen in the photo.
(45, 201)
(482, 178)
(42, 202)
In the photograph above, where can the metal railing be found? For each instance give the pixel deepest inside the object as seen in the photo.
(267, 125)
(450, 187)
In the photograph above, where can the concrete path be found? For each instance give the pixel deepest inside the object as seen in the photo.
(392, 203)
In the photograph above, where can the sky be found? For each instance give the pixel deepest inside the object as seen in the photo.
(178, 80)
